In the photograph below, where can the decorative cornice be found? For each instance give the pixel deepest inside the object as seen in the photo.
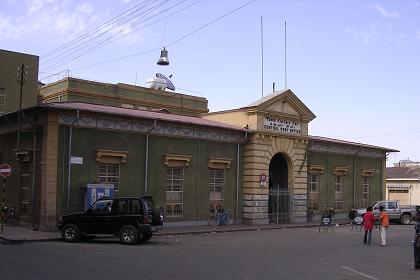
(148, 126)
(219, 163)
(176, 160)
(341, 170)
(108, 156)
(368, 172)
(343, 149)
(316, 169)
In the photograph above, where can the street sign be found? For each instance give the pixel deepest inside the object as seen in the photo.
(5, 170)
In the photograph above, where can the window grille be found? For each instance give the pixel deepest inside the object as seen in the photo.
(314, 183)
(2, 100)
(217, 184)
(109, 173)
(314, 180)
(338, 196)
(366, 187)
(174, 191)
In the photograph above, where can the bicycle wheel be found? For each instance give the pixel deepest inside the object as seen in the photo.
(228, 218)
(212, 220)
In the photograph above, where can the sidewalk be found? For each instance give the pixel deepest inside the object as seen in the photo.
(20, 234)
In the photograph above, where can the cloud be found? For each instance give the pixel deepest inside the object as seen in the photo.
(58, 20)
(367, 36)
(385, 13)
(36, 5)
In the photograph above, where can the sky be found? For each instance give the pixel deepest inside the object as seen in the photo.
(354, 63)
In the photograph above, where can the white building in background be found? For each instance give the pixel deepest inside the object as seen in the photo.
(407, 163)
(403, 182)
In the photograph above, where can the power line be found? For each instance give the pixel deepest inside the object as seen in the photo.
(210, 23)
(84, 35)
(81, 46)
(172, 43)
(143, 52)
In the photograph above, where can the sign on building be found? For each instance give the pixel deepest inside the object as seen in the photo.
(282, 125)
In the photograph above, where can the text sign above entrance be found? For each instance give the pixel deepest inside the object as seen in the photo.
(282, 125)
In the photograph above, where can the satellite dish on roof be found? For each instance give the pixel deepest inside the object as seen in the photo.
(169, 84)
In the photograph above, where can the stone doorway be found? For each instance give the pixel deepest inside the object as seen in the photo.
(278, 197)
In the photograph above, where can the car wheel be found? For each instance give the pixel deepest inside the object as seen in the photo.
(146, 237)
(405, 220)
(70, 233)
(129, 235)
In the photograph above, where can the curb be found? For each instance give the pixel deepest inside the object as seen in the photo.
(213, 230)
(18, 241)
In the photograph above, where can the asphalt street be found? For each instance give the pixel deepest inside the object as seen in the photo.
(302, 253)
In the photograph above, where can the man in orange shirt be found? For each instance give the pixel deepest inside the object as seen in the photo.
(384, 220)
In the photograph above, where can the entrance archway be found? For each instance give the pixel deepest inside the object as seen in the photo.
(278, 198)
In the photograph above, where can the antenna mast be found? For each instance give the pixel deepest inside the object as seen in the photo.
(285, 69)
(262, 59)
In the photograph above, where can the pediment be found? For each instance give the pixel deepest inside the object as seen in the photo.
(284, 103)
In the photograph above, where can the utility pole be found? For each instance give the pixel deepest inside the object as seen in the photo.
(22, 76)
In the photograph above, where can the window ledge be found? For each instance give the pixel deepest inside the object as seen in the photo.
(176, 160)
(107, 156)
(219, 163)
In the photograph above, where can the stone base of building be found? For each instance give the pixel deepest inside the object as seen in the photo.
(255, 222)
(297, 220)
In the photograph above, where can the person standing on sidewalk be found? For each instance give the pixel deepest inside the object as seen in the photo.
(384, 220)
(368, 221)
(416, 241)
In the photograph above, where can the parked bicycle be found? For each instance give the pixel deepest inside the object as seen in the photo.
(327, 220)
(356, 220)
(221, 217)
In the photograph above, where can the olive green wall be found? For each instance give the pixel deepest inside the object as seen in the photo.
(7, 146)
(327, 179)
(12, 182)
(132, 173)
(9, 62)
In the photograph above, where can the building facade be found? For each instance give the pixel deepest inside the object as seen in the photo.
(257, 161)
(403, 183)
(287, 171)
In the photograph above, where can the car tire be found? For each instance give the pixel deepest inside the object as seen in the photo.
(70, 233)
(405, 220)
(129, 235)
(146, 237)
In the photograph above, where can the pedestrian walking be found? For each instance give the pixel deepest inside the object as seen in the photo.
(416, 242)
(368, 222)
(384, 221)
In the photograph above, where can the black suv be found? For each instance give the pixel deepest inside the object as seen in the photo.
(132, 219)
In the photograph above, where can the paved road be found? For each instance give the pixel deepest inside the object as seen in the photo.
(271, 254)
